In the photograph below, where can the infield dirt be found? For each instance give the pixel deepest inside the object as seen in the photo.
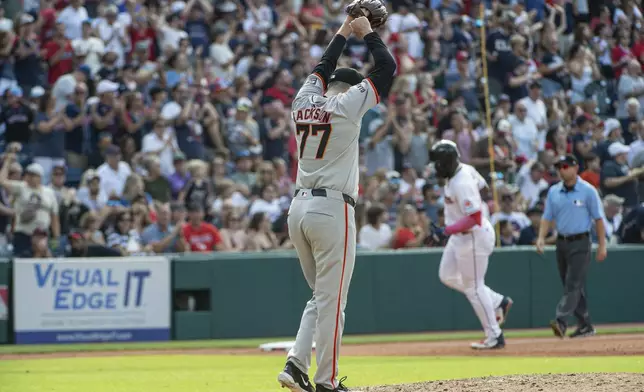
(595, 382)
(614, 345)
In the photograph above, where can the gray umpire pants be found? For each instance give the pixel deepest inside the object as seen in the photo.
(323, 231)
(573, 260)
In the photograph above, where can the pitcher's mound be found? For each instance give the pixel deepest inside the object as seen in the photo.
(595, 382)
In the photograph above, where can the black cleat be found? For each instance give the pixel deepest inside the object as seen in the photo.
(294, 379)
(583, 331)
(503, 310)
(558, 328)
(341, 387)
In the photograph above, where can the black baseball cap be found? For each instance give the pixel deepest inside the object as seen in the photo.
(346, 75)
(566, 159)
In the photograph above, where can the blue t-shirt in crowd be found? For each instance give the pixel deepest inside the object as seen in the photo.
(76, 137)
(51, 144)
(28, 70)
(198, 33)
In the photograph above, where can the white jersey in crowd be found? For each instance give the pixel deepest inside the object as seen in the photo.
(463, 195)
(327, 130)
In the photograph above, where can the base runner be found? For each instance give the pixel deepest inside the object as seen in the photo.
(321, 221)
(465, 258)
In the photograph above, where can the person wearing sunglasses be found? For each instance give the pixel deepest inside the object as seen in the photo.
(573, 205)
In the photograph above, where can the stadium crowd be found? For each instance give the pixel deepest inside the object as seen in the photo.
(149, 126)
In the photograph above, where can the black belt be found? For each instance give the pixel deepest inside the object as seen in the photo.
(322, 193)
(573, 237)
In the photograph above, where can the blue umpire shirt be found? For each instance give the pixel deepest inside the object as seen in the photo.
(575, 210)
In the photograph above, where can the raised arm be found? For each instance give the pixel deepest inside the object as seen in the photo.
(329, 59)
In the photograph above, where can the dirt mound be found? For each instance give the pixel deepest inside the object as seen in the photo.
(595, 382)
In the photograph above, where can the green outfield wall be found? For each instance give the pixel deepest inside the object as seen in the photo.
(5, 320)
(263, 294)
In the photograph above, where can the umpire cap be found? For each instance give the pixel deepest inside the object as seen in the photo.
(346, 75)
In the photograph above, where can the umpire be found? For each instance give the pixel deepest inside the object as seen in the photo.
(573, 205)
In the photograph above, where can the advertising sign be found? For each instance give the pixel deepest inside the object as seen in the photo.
(91, 300)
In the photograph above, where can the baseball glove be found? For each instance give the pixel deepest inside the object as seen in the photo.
(374, 10)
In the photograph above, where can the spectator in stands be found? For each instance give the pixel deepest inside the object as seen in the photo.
(156, 185)
(616, 177)
(81, 247)
(124, 238)
(48, 144)
(612, 217)
(113, 173)
(509, 210)
(593, 171)
(232, 232)
(507, 234)
(632, 229)
(407, 233)
(164, 237)
(35, 205)
(376, 234)
(259, 236)
(90, 225)
(530, 182)
(39, 245)
(524, 132)
(199, 235)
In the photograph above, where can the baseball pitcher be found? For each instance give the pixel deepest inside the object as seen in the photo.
(327, 112)
(465, 258)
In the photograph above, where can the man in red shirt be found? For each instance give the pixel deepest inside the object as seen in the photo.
(200, 235)
(59, 55)
(283, 88)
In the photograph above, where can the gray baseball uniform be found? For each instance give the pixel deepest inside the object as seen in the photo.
(321, 219)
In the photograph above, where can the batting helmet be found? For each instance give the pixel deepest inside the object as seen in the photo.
(445, 156)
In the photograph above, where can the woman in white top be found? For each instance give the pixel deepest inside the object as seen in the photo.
(376, 234)
(583, 71)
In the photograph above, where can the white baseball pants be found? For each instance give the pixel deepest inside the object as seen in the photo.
(463, 267)
(323, 231)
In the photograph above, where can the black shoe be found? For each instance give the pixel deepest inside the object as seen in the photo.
(341, 387)
(503, 310)
(294, 379)
(583, 331)
(558, 328)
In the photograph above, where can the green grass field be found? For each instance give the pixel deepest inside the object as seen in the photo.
(237, 373)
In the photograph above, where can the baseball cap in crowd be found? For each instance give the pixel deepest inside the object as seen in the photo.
(244, 104)
(610, 125)
(106, 86)
(462, 55)
(112, 150)
(91, 174)
(220, 84)
(176, 206)
(242, 154)
(86, 70)
(614, 199)
(256, 150)
(5, 25)
(177, 6)
(37, 92)
(581, 120)
(503, 126)
(111, 10)
(618, 148)
(179, 156)
(504, 98)
(170, 111)
(35, 169)
(535, 84)
(16, 91)
(632, 101)
(26, 19)
(569, 160)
